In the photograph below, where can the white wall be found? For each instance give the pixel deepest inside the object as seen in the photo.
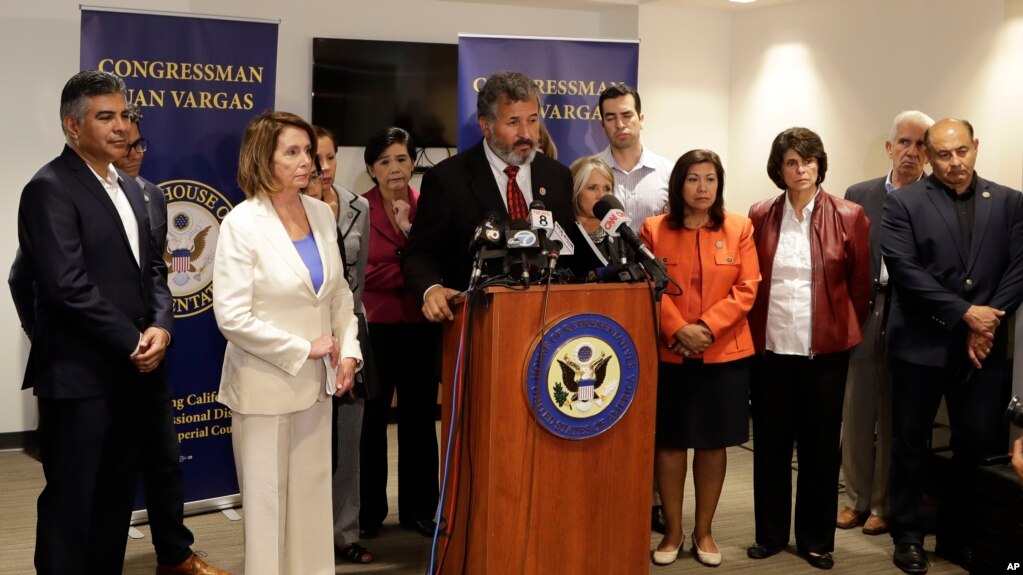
(39, 50)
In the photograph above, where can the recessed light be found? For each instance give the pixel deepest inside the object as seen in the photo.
(742, 1)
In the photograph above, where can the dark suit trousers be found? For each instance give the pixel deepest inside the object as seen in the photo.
(89, 450)
(406, 357)
(795, 399)
(975, 407)
(161, 476)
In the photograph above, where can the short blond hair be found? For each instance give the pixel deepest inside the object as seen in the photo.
(255, 160)
(581, 170)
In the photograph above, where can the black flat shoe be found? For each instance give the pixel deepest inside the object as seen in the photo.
(911, 558)
(424, 527)
(758, 551)
(820, 561)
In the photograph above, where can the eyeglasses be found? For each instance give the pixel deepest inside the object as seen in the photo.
(139, 146)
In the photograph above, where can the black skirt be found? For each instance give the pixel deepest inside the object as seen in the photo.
(702, 406)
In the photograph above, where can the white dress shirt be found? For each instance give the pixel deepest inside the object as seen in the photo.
(123, 206)
(643, 190)
(524, 177)
(790, 306)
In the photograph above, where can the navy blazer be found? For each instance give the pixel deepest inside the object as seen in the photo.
(92, 299)
(454, 197)
(935, 280)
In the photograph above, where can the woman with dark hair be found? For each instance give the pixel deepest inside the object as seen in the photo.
(352, 214)
(404, 344)
(703, 379)
(815, 258)
(286, 311)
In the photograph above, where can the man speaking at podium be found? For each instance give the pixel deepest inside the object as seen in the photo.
(501, 174)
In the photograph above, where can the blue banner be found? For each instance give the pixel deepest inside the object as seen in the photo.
(197, 81)
(571, 74)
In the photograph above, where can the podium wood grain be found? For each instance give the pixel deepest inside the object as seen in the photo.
(525, 500)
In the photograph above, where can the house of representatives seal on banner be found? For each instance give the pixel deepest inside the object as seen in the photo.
(582, 376)
(194, 214)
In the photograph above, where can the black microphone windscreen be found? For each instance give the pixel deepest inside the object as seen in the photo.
(537, 205)
(605, 205)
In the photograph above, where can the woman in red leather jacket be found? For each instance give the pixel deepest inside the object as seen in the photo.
(815, 260)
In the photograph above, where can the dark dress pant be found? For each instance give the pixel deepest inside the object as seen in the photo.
(163, 483)
(89, 451)
(797, 400)
(976, 400)
(406, 357)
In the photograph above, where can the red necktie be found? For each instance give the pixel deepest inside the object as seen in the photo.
(516, 201)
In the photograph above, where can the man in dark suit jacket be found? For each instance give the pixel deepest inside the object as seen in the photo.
(866, 414)
(102, 321)
(458, 192)
(160, 460)
(953, 244)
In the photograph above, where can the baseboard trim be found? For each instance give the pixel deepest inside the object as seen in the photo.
(19, 441)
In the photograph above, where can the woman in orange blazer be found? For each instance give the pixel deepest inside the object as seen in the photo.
(703, 380)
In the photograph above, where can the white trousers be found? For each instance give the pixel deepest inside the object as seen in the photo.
(283, 464)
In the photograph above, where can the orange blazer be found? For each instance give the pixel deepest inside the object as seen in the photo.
(731, 274)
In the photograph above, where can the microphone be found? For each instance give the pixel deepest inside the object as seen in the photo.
(487, 235)
(613, 217)
(554, 248)
(615, 221)
(541, 220)
(522, 239)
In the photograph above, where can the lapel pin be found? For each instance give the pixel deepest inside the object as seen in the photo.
(350, 215)
(719, 244)
(986, 194)
(543, 191)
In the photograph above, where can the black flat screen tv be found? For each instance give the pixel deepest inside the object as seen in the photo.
(363, 86)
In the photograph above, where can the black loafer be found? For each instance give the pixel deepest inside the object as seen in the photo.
(820, 561)
(758, 551)
(424, 527)
(911, 558)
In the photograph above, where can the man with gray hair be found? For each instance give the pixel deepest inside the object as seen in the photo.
(501, 174)
(102, 322)
(867, 417)
(953, 243)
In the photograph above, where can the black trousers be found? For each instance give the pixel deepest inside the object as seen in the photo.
(90, 453)
(795, 399)
(976, 400)
(406, 357)
(164, 487)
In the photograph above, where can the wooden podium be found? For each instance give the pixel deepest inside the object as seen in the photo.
(525, 499)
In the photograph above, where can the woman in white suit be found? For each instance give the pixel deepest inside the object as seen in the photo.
(281, 300)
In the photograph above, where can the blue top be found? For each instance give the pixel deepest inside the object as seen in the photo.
(311, 258)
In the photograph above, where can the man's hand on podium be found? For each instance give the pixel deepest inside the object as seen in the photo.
(435, 303)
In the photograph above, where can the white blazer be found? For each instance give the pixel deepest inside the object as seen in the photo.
(265, 306)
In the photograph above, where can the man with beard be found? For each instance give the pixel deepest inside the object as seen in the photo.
(641, 176)
(501, 174)
(953, 244)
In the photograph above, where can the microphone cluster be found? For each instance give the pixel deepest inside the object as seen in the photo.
(517, 252)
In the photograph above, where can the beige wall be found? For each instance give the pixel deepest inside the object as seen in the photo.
(728, 81)
(844, 69)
